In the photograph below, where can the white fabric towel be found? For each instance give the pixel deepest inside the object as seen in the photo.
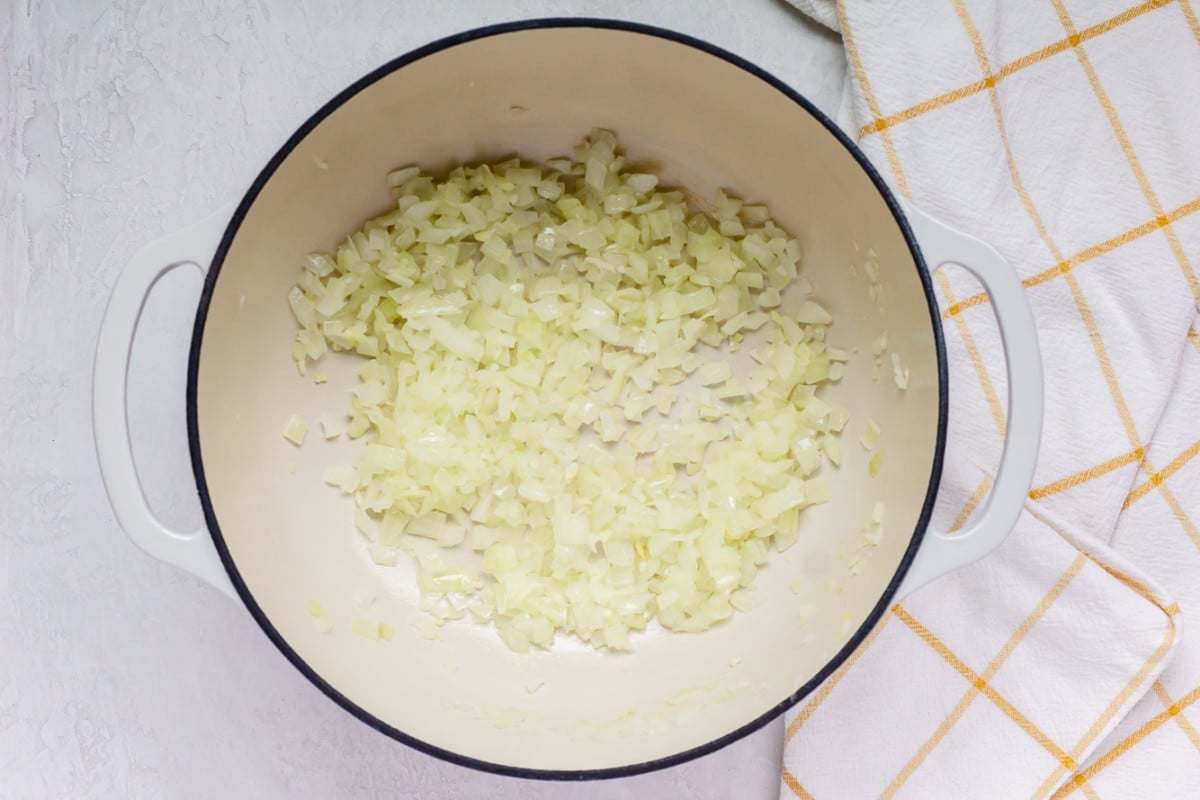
(1067, 134)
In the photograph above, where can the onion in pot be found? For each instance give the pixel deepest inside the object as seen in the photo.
(555, 428)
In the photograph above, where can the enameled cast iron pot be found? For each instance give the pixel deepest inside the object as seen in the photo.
(277, 537)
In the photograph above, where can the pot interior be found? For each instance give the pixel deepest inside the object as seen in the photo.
(701, 122)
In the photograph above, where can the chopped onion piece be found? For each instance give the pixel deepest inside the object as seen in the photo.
(382, 555)
(368, 629)
(344, 478)
(331, 426)
(870, 437)
(900, 371)
(295, 430)
(714, 372)
(812, 313)
(833, 449)
(880, 344)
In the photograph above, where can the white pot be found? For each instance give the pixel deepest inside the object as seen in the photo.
(705, 119)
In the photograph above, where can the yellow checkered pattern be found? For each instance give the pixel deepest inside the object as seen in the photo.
(1130, 481)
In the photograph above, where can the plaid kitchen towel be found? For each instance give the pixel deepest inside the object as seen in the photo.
(1067, 134)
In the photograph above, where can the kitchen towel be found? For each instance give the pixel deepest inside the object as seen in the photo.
(1067, 134)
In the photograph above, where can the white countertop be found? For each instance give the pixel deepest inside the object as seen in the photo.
(121, 677)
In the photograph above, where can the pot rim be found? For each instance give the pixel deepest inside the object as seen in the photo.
(193, 432)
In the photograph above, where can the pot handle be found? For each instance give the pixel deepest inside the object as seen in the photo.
(192, 552)
(940, 553)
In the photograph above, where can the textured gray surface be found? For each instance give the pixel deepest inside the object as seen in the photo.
(121, 677)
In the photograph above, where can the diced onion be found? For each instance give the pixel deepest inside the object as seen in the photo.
(880, 344)
(870, 437)
(331, 426)
(900, 371)
(553, 427)
(365, 628)
(295, 430)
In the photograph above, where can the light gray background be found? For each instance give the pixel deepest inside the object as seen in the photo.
(121, 677)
